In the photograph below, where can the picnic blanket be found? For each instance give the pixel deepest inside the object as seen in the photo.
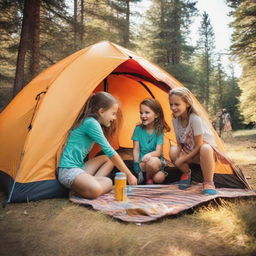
(150, 202)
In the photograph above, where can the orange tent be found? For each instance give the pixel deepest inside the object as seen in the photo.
(35, 125)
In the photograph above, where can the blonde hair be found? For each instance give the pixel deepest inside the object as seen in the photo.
(186, 96)
(160, 124)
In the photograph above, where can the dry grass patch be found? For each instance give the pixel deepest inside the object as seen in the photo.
(56, 227)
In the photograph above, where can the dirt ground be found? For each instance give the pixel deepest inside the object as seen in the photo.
(58, 227)
(241, 148)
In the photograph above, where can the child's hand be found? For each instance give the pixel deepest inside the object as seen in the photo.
(145, 158)
(180, 161)
(132, 180)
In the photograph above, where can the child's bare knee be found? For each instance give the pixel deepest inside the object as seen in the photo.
(174, 153)
(173, 158)
(205, 149)
(159, 177)
(92, 193)
(109, 181)
(153, 163)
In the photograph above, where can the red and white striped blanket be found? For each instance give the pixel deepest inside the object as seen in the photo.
(150, 202)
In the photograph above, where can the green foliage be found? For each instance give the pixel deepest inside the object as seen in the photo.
(233, 3)
(231, 95)
(162, 38)
(55, 31)
(244, 47)
(244, 35)
(182, 72)
(205, 54)
(165, 29)
(248, 96)
(109, 20)
(10, 22)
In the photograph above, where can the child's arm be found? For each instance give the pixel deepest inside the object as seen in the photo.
(157, 153)
(94, 131)
(119, 163)
(185, 157)
(136, 151)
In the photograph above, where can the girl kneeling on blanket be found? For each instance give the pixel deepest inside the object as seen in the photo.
(195, 141)
(87, 179)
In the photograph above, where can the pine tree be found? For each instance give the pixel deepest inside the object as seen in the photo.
(53, 22)
(121, 20)
(244, 32)
(206, 49)
(165, 31)
(231, 96)
(30, 24)
(234, 3)
(244, 47)
(248, 95)
(218, 86)
(10, 25)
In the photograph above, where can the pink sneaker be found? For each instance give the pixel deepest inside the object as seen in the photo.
(149, 182)
(185, 180)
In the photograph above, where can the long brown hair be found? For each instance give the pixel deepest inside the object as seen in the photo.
(94, 103)
(160, 124)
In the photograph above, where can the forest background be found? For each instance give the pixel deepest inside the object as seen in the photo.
(35, 34)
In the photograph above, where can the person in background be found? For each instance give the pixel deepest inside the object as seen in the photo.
(88, 179)
(226, 119)
(148, 140)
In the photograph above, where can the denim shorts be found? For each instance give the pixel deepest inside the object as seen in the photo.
(66, 176)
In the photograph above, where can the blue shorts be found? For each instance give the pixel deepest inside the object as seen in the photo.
(66, 176)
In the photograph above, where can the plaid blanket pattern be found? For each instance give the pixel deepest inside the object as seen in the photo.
(150, 202)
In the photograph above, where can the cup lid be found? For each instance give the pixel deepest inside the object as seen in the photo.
(120, 174)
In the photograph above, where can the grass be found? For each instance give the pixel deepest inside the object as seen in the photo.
(57, 227)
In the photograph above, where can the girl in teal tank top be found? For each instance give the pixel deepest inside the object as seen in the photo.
(148, 141)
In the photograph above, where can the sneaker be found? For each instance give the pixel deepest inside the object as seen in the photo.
(140, 178)
(185, 180)
(209, 189)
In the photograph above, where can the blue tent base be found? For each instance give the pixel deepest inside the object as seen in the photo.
(38, 190)
(31, 191)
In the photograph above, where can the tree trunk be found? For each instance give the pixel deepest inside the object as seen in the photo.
(30, 26)
(23, 47)
(127, 25)
(35, 29)
(220, 103)
(207, 86)
(82, 22)
(176, 47)
(75, 24)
